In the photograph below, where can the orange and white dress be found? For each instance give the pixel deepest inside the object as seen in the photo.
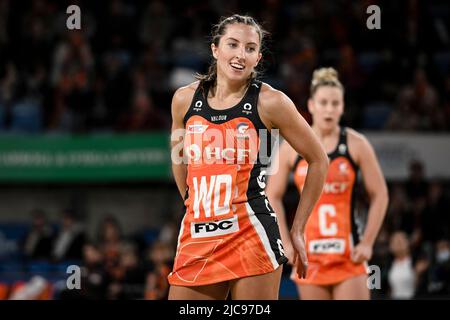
(229, 229)
(332, 229)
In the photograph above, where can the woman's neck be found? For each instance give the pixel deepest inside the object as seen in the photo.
(402, 256)
(223, 89)
(324, 133)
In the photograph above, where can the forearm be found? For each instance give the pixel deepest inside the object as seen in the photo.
(311, 192)
(377, 211)
(277, 205)
(180, 174)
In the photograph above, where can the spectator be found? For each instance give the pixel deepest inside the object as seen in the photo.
(110, 242)
(435, 219)
(401, 276)
(70, 240)
(128, 279)
(94, 279)
(38, 242)
(440, 273)
(157, 286)
(416, 185)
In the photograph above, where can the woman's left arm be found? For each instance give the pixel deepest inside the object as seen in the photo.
(375, 184)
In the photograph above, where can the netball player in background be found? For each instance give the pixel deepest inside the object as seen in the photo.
(229, 241)
(337, 254)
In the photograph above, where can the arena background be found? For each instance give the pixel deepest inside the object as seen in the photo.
(84, 130)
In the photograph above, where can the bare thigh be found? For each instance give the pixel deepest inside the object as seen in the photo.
(314, 292)
(354, 288)
(217, 291)
(260, 287)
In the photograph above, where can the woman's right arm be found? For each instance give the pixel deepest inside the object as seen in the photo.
(180, 104)
(281, 112)
(275, 190)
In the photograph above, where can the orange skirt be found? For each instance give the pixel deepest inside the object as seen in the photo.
(321, 274)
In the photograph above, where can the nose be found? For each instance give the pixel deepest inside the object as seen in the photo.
(240, 54)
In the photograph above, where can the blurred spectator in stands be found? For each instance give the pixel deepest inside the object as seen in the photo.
(402, 275)
(416, 184)
(436, 218)
(117, 87)
(111, 241)
(72, 76)
(380, 258)
(422, 271)
(98, 118)
(352, 74)
(94, 279)
(9, 84)
(128, 279)
(160, 259)
(169, 233)
(433, 274)
(38, 241)
(4, 23)
(399, 215)
(120, 26)
(70, 239)
(440, 271)
(446, 98)
(143, 115)
(156, 24)
(417, 106)
(36, 30)
(417, 189)
(154, 63)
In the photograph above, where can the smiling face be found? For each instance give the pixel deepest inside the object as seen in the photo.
(326, 106)
(238, 51)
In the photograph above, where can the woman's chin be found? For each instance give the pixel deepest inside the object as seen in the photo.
(237, 76)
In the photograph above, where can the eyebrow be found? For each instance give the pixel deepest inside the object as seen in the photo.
(231, 38)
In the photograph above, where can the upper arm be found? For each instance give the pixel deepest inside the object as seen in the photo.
(181, 101)
(364, 155)
(279, 171)
(282, 114)
(180, 104)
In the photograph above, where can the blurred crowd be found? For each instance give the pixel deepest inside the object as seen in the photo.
(413, 247)
(118, 73)
(112, 265)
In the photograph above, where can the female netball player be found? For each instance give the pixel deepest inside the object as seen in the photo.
(336, 252)
(229, 241)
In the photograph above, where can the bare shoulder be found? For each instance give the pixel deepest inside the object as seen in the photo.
(271, 97)
(182, 99)
(271, 102)
(356, 137)
(357, 143)
(186, 93)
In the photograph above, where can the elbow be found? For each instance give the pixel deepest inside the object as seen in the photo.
(320, 163)
(324, 163)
